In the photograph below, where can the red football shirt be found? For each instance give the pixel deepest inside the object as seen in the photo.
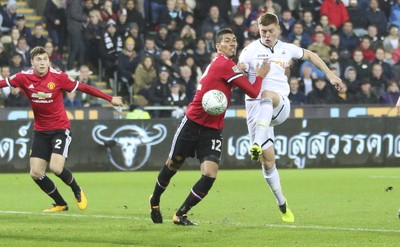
(222, 74)
(45, 95)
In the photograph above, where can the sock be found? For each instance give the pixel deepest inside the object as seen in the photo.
(274, 182)
(163, 179)
(68, 179)
(198, 192)
(263, 121)
(50, 189)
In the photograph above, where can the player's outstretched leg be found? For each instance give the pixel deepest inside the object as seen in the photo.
(50, 189)
(273, 179)
(67, 177)
(198, 192)
(163, 180)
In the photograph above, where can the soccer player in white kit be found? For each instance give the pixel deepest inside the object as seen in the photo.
(272, 107)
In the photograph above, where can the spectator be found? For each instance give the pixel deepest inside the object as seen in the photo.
(310, 5)
(92, 34)
(70, 100)
(353, 84)
(75, 21)
(321, 94)
(306, 81)
(23, 29)
(144, 74)
(299, 34)
(248, 11)
(375, 38)
(196, 70)
(286, 23)
(365, 94)
(188, 35)
(87, 100)
(134, 33)
(320, 47)
(362, 67)
(107, 12)
(391, 95)
(56, 20)
(137, 111)
(38, 38)
(379, 82)
(150, 49)
(177, 98)
(127, 63)
(170, 17)
(16, 98)
(54, 56)
(23, 49)
(4, 57)
(159, 92)
(365, 47)
(5, 91)
(8, 18)
(153, 10)
(88, 6)
(296, 96)
(358, 18)
(16, 63)
(334, 62)
(392, 40)
(336, 12)
(239, 29)
(188, 84)
(213, 21)
(133, 15)
(343, 96)
(179, 53)
(308, 22)
(201, 56)
(348, 40)
(270, 7)
(164, 39)
(110, 46)
(327, 27)
(394, 18)
(165, 61)
(379, 59)
(122, 24)
(377, 17)
(210, 42)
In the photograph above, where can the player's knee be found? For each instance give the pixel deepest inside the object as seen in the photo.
(35, 174)
(212, 158)
(174, 164)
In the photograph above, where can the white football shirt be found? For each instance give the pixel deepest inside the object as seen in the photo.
(279, 55)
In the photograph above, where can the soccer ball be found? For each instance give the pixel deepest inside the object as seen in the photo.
(214, 102)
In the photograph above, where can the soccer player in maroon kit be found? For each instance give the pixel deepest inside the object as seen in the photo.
(200, 133)
(44, 88)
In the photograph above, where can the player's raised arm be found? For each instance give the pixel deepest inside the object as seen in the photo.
(115, 101)
(317, 61)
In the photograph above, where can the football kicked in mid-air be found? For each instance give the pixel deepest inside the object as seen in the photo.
(214, 102)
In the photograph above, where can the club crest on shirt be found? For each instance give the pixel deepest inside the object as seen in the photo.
(51, 85)
(236, 69)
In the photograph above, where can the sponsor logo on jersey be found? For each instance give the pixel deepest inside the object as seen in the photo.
(51, 85)
(236, 69)
(42, 95)
(262, 55)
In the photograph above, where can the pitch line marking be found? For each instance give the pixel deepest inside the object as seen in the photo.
(330, 228)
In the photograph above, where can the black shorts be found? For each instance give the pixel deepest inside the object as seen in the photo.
(192, 139)
(47, 142)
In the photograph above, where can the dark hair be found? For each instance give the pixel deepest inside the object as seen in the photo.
(38, 50)
(218, 37)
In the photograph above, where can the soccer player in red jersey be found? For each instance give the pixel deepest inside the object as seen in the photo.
(44, 88)
(199, 133)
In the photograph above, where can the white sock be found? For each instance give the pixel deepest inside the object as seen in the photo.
(263, 121)
(274, 182)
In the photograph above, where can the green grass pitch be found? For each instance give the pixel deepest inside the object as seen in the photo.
(333, 207)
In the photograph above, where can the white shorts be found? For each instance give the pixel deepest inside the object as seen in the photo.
(279, 115)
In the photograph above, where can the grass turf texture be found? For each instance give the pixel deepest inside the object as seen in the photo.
(333, 207)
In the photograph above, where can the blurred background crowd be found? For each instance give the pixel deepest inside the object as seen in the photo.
(153, 52)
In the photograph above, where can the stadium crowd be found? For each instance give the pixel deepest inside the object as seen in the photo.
(153, 52)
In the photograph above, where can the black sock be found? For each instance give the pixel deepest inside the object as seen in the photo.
(50, 189)
(163, 179)
(68, 179)
(283, 208)
(199, 191)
